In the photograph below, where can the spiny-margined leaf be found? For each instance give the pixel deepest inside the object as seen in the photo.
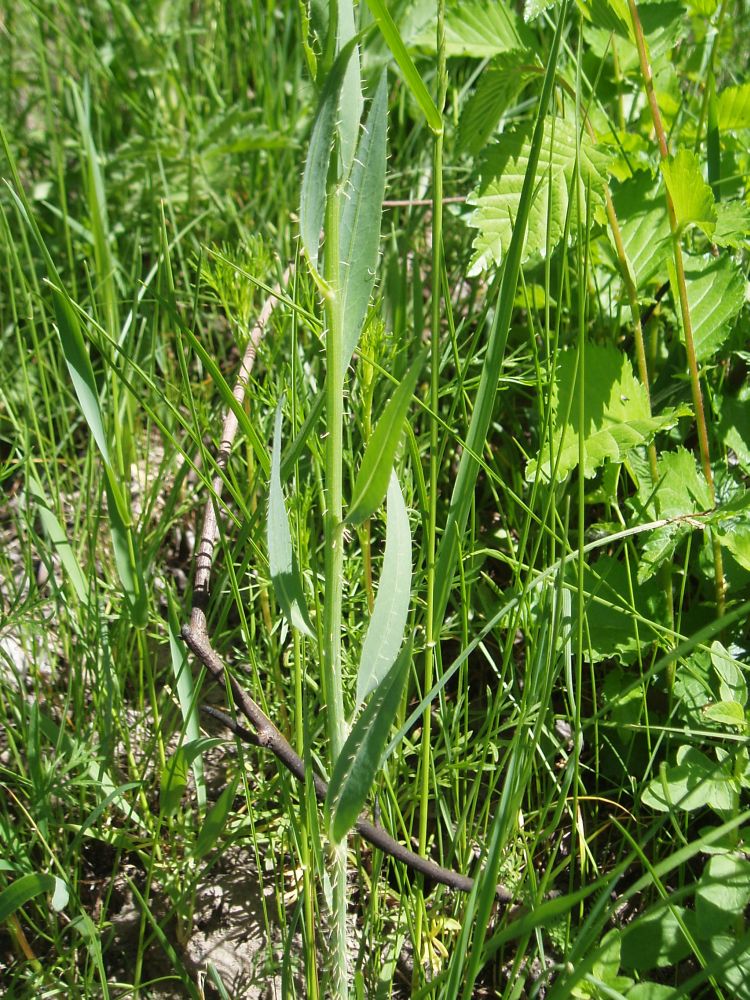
(734, 108)
(716, 293)
(644, 226)
(616, 413)
(359, 232)
(503, 170)
(359, 761)
(692, 198)
(477, 29)
(732, 224)
(375, 471)
(385, 632)
(282, 563)
(498, 86)
(315, 175)
(351, 101)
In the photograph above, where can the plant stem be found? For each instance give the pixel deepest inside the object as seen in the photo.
(334, 560)
(695, 387)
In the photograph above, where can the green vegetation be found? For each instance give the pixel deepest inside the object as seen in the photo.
(387, 364)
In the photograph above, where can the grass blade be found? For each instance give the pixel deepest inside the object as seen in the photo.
(359, 760)
(25, 888)
(386, 630)
(285, 576)
(375, 471)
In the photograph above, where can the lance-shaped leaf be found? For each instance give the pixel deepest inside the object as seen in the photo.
(359, 760)
(315, 176)
(359, 233)
(26, 887)
(375, 471)
(386, 629)
(350, 101)
(285, 576)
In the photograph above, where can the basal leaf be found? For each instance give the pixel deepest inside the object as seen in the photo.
(502, 174)
(694, 782)
(722, 893)
(375, 471)
(692, 197)
(716, 293)
(477, 29)
(642, 215)
(616, 416)
(285, 576)
(654, 940)
(734, 108)
(385, 632)
(315, 175)
(359, 239)
(498, 86)
(359, 760)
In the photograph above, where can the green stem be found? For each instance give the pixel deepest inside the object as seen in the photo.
(334, 561)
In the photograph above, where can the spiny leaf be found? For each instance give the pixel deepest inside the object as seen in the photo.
(285, 576)
(498, 86)
(315, 176)
(375, 471)
(359, 239)
(716, 293)
(692, 197)
(385, 632)
(503, 170)
(359, 760)
(477, 29)
(616, 416)
(350, 101)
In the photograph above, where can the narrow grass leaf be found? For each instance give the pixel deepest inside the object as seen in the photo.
(26, 888)
(57, 537)
(414, 81)
(359, 760)
(174, 775)
(315, 176)
(375, 471)
(359, 231)
(463, 488)
(285, 575)
(386, 629)
(216, 820)
(186, 694)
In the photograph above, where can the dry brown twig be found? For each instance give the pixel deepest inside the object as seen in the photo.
(195, 634)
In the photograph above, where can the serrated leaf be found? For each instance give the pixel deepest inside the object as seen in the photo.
(533, 8)
(732, 686)
(716, 293)
(694, 782)
(692, 197)
(616, 416)
(282, 563)
(732, 224)
(477, 29)
(655, 940)
(359, 760)
(734, 108)
(642, 215)
(503, 169)
(722, 893)
(215, 821)
(498, 86)
(734, 425)
(385, 632)
(359, 234)
(375, 471)
(315, 175)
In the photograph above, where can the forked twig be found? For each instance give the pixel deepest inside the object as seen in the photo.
(195, 634)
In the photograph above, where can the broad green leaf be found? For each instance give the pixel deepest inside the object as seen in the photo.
(732, 224)
(692, 197)
(694, 782)
(186, 694)
(498, 86)
(734, 108)
(654, 940)
(359, 761)
(716, 293)
(375, 471)
(216, 819)
(503, 169)
(732, 684)
(722, 893)
(26, 888)
(650, 991)
(413, 80)
(385, 632)
(734, 425)
(731, 960)
(726, 713)
(642, 215)
(359, 239)
(285, 576)
(616, 416)
(315, 175)
(351, 101)
(58, 538)
(477, 29)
